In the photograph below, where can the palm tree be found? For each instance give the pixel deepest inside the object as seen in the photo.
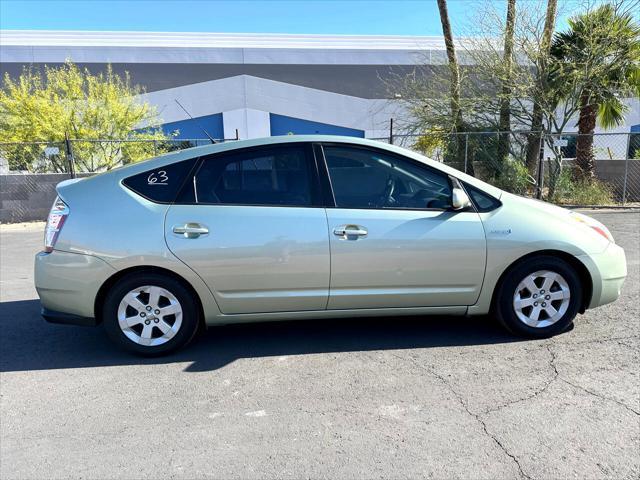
(600, 54)
(534, 138)
(456, 113)
(454, 69)
(504, 122)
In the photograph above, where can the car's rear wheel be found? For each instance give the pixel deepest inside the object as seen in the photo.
(150, 314)
(539, 297)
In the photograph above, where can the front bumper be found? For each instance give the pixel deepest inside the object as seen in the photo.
(67, 284)
(608, 272)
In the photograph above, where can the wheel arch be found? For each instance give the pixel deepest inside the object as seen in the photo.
(582, 271)
(120, 274)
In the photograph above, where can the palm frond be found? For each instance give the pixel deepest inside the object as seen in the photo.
(611, 113)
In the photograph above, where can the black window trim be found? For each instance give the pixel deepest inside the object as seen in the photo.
(332, 203)
(316, 191)
(324, 177)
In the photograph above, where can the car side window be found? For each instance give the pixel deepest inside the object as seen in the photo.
(280, 176)
(364, 178)
(482, 201)
(161, 184)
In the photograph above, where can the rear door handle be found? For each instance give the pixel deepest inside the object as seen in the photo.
(190, 230)
(346, 231)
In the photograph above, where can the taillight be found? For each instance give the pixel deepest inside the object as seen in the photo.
(55, 221)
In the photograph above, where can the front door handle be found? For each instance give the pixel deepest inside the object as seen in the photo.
(190, 230)
(350, 231)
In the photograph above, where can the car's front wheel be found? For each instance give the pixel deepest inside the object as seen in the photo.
(539, 297)
(150, 314)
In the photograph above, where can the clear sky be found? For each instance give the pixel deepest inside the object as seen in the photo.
(390, 17)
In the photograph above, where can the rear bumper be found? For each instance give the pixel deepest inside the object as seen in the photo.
(52, 316)
(67, 284)
(608, 272)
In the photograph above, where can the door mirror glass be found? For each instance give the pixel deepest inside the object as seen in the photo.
(459, 199)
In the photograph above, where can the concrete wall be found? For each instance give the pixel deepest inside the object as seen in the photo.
(613, 172)
(27, 197)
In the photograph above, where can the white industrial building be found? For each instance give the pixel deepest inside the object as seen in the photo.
(259, 84)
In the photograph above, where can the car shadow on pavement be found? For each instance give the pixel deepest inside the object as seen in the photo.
(29, 343)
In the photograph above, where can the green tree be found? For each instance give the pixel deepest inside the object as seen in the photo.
(599, 55)
(69, 102)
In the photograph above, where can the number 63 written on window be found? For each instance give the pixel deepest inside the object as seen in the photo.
(158, 178)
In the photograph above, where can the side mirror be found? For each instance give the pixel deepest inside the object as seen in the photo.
(459, 199)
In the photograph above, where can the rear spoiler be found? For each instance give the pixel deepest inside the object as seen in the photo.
(64, 184)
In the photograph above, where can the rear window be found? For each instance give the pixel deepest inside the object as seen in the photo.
(161, 184)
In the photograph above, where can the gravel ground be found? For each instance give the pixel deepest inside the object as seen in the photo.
(424, 397)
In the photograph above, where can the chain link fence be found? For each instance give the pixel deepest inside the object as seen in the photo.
(85, 156)
(548, 172)
(499, 158)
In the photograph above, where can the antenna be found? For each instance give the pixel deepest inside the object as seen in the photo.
(196, 122)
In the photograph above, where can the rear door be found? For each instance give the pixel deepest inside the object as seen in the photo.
(394, 240)
(251, 224)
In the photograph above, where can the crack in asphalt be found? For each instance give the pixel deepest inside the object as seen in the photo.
(554, 377)
(628, 345)
(558, 376)
(464, 405)
(597, 340)
(601, 397)
(586, 390)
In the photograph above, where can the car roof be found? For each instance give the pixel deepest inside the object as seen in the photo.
(275, 140)
(230, 145)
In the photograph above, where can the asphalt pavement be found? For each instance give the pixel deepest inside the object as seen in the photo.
(428, 397)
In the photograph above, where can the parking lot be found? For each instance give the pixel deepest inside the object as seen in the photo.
(395, 398)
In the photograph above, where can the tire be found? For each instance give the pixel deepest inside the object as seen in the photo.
(516, 305)
(150, 314)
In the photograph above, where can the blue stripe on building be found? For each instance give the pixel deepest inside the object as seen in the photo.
(283, 125)
(193, 128)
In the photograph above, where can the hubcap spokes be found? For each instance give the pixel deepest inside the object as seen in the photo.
(150, 315)
(541, 299)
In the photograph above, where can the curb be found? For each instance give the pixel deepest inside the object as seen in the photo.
(603, 207)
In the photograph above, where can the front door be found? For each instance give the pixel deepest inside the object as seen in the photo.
(254, 230)
(394, 240)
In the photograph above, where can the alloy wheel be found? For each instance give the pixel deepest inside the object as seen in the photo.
(149, 315)
(541, 298)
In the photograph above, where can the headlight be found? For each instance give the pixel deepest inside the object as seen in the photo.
(594, 224)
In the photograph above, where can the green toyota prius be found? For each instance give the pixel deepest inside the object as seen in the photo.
(303, 227)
